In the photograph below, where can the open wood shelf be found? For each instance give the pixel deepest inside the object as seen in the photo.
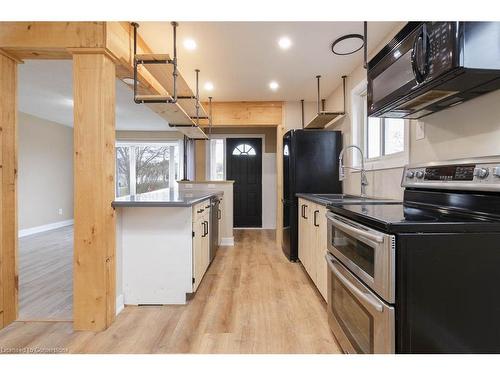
(322, 119)
(193, 132)
(157, 66)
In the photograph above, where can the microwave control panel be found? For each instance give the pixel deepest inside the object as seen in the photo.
(441, 41)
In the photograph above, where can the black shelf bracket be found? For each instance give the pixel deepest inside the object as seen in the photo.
(140, 61)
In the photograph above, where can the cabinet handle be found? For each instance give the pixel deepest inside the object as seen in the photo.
(204, 229)
(219, 214)
(207, 206)
(315, 221)
(305, 206)
(200, 211)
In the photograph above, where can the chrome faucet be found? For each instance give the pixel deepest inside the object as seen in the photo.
(342, 168)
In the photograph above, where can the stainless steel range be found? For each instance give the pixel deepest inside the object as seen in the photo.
(411, 277)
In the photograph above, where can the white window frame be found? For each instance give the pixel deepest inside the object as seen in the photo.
(144, 143)
(358, 135)
(208, 152)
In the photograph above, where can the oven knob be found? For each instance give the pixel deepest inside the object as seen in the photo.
(411, 174)
(496, 171)
(419, 174)
(481, 172)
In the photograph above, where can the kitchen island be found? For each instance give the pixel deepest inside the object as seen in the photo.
(162, 245)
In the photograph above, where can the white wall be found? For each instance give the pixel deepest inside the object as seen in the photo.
(269, 190)
(45, 172)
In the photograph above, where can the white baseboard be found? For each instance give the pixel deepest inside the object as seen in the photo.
(119, 304)
(227, 241)
(44, 228)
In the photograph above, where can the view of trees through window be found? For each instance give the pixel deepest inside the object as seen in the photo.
(142, 168)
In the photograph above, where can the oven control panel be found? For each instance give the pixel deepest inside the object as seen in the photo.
(469, 175)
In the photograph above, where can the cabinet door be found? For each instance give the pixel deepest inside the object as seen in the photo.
(303, 233)
(320, 251)
(311, 241)
(198, 262)
(206, 242)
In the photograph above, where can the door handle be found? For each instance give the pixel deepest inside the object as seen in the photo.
(355, 231)
(315, 218)
(352, 288)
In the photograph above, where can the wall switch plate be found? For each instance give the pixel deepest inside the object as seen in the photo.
(60, 211)
(420, 130)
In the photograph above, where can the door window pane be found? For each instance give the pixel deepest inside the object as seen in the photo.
(393, 136)
(122, 171)
(373, 135)
(244, 149)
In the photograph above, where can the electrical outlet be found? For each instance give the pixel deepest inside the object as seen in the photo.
(60, 211)
(420, 130)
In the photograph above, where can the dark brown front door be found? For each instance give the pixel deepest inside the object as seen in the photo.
(244, 166)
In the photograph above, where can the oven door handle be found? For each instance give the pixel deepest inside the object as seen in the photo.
(352, 288)
(355, 231)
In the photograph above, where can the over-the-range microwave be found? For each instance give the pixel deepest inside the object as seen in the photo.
(430, 66)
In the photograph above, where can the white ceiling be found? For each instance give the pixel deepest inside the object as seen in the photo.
(46, 91)
(241, 58)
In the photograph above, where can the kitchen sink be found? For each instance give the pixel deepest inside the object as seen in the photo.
(352, 199)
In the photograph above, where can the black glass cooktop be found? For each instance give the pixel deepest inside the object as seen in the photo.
(415, 218)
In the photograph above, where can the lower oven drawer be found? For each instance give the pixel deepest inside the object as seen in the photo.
(359, 319)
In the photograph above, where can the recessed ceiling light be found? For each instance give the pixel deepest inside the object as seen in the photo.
(284, 42)
(209, 86)
(190, 44)
(128, 80)
(273, 85)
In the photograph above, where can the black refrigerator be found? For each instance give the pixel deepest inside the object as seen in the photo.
(310, 165)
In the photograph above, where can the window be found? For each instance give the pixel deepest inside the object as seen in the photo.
(244, 149)
(384, 141)
(216, 158)
(384, 136)
(144, 167)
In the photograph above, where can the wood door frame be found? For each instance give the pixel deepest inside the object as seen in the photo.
(60, 40)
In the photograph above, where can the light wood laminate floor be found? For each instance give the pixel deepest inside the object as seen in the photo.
(252, 300)
(46, 275)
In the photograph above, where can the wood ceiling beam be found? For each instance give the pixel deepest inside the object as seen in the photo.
(244, 114)
(50, 40)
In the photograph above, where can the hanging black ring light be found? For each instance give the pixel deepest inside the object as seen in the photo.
(346, 37)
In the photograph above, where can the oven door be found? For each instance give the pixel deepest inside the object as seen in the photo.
(361, 321)
(367, 253)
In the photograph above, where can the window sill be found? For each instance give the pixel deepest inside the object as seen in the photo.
(389, 162)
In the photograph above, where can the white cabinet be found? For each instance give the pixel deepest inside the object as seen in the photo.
(313, 242)
(201, 241)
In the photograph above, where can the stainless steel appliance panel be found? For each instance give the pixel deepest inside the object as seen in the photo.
(359, 319)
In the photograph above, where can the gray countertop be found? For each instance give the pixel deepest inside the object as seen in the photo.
(346, 199)
(313, 198)
(165, 198)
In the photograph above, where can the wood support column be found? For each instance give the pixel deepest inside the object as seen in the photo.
(8, 191)
(94, 170)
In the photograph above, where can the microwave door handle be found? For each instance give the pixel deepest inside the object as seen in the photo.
(352, 288)
(360, 232)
